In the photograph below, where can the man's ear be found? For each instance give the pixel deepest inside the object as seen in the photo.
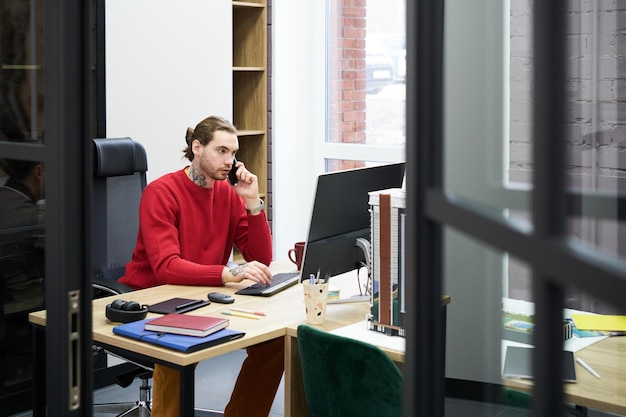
(38, 171)
(196, 146)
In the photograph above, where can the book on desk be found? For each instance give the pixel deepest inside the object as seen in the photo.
(136, 330)
(187, 324)
(388, 234)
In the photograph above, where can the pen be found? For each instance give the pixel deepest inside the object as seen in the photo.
(235, 313)
(244, 310)
(311, 279)
(587, 367)
(189, 304)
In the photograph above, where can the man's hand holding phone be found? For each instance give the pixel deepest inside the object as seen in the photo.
(232, 175)
(247, 187)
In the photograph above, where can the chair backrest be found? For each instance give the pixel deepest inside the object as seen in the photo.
(346, 377)
(119, 179)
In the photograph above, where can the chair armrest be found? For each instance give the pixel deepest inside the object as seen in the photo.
(109, 287)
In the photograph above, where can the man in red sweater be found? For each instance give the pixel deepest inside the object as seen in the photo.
(188, 223)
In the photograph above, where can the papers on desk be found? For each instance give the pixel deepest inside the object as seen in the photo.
(359, 331)
(600, 322)
(580, 338)
(136, 330)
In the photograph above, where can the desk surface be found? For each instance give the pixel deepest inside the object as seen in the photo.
(285, 311)
(282, 310)
(608, 358)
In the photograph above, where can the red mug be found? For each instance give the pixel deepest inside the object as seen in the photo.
(298, 251)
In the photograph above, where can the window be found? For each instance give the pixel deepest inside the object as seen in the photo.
(366, 70)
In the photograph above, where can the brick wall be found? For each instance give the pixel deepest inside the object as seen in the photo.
(346, 69)
(596, 110)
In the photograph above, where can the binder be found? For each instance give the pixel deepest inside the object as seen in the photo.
(135, 330)
(177, 305)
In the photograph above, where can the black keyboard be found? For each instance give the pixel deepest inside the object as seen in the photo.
(279, 282)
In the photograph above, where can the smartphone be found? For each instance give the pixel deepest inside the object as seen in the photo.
(232, 175)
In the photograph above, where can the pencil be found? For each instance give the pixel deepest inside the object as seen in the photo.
(238, 314)
(245, 310)
(588, 368)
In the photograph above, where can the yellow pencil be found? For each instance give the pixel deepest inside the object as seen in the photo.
(235, 313)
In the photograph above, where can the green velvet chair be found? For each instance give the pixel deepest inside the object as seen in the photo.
(523, 400)
(345, 377)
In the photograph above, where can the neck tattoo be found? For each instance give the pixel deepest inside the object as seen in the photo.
(198, 179)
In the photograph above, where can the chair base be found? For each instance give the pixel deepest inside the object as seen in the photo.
(201, 412)
(137, 409)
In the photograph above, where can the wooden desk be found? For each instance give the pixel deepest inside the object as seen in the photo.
(336, 318)
(285, 311)
(608, 358)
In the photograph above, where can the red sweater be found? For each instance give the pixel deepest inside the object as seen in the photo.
(186, 233)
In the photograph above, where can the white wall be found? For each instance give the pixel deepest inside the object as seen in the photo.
(299, 115)
(159, 84)
(473, 122)
(168, 65)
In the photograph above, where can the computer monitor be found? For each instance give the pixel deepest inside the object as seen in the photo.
(341, 215)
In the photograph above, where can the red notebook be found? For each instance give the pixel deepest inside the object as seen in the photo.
(187, 324)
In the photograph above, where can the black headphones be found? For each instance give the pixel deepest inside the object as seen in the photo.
(126, 311)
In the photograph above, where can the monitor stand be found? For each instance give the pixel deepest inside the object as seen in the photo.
(364, 245)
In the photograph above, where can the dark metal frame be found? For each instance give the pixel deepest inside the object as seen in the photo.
(556, 262)
(66, 153)
(68, 117)
(424, 371)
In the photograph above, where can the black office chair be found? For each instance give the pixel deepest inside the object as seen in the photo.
(119, 179)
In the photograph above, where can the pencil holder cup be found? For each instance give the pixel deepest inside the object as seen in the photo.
(315, 298)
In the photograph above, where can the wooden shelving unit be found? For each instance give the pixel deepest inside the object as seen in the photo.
(250, 87)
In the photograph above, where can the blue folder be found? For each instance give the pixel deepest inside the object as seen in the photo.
(182, 343)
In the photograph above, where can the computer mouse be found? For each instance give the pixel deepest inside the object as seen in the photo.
(219, 297)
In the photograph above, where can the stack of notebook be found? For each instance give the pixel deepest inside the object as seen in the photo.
(182, 332)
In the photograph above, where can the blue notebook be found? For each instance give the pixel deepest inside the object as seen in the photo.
(182, 343)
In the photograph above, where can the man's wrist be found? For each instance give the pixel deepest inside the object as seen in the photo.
(237, 269)
(256, 209)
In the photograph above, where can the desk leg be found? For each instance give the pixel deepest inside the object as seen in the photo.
(582, 410)
(187, 390)
(39, 371)
(444, 320)
(295, 401)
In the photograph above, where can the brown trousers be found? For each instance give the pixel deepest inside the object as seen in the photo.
(254, 390)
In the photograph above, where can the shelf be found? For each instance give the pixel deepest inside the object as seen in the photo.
(248, 69)
(250, 90)
(246, 4)
(242, 132)
(249, 37)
